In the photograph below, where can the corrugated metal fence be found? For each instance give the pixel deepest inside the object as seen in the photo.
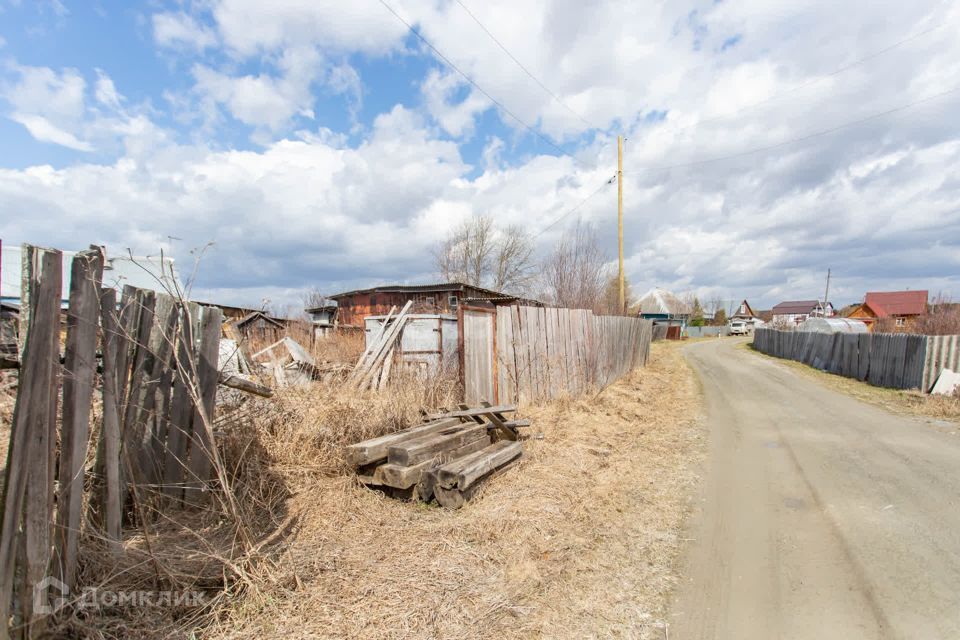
(544, 353)
(898, 361)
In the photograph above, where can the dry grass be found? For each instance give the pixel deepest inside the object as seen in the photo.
(895, 400)
(580, 540)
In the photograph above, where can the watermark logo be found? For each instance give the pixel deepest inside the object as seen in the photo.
(50, 595)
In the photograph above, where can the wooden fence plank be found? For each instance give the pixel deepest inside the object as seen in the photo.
(109, 451)
(201, 443)
(181, 405)
(80, 366)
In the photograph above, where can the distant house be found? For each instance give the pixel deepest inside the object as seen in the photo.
(257, 325)
(793, 312)
(663, 307)
(745, 313)
(902, 307)
(445, 297)
(323, 317)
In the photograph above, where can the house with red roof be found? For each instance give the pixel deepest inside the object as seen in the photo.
(901, 307)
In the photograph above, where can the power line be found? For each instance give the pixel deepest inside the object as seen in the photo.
(525, 70)
(576, 208)
(478, 87)
(806, 137)
(812, 81)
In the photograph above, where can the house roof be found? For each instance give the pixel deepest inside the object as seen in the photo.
(795, 307)
(258, 314)
(421, 288)
(897, 303)
(745, 311)
(659, 301)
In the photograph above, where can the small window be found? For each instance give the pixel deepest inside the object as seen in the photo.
(452, 301)
(901, 322)
(373, 301)
(430, 300)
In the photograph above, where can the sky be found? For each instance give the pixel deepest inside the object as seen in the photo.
(278, 147)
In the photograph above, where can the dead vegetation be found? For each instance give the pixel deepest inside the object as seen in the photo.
(581, 543)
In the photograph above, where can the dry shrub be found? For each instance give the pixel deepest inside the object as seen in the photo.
(307, 428)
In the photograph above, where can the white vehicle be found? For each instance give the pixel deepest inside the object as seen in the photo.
(739, 328)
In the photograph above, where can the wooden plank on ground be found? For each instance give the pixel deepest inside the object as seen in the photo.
(375, 449)
(424, 449)
(80, 367)
(455, 498)
(404, 477)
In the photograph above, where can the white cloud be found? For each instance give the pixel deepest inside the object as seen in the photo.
(456, 117)
(178, 29)
(45, 131)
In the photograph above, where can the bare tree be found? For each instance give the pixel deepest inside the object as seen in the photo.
(575, 273)
(478, 253)
(513, 267)
(610, 304)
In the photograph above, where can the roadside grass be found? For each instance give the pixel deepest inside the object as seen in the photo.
(899, 401)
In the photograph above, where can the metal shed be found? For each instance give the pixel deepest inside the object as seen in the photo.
(832, 325)
(428, 341)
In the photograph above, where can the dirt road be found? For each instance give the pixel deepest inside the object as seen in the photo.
(822, 516)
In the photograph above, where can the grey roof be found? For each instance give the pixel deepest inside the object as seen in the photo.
(659, 301)
(414, 288)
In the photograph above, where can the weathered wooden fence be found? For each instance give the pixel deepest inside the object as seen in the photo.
(895, 360)
(153, 447)
(533, 354)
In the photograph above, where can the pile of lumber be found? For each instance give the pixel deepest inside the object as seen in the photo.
(373, 367)
(448, 457)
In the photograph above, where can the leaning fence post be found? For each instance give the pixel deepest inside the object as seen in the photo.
(80, 366)
(28, 486)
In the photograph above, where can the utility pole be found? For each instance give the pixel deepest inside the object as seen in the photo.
(826, 295)
(623, 303)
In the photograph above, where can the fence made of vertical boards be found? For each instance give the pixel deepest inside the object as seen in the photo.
(894, 360)
(534, 354)
(157, 387)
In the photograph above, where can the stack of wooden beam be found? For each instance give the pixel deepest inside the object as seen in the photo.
(448, 457)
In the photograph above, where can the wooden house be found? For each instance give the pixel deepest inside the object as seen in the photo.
(257, 325)
(445, 298)
(793, 312)
(902, 308)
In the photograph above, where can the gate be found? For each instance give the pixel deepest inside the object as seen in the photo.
(477, 349)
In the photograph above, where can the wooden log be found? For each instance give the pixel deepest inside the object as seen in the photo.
(111, 496)
(242, 384)
(479, 411)
(201, 444)
(375, 449)
(488, 462)
(411, 453)
(455, 498)
(404, 477)
(449, 474)
(80, 367)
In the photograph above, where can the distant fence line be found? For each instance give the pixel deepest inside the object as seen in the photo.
(534, 354)
(706, 332)
(894, 360)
